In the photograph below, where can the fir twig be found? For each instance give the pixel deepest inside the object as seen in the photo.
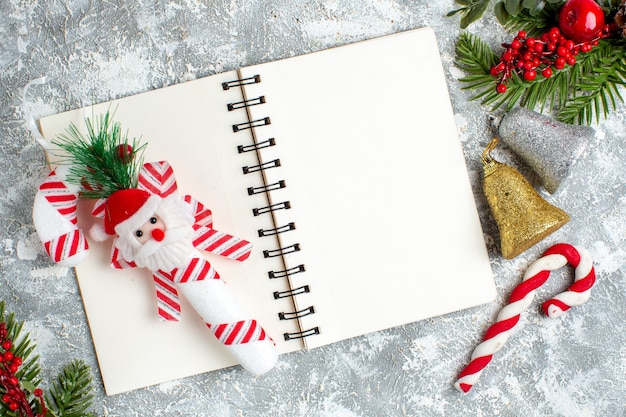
(95, 161)
(71, 394)
(581, 93)
(28, 372)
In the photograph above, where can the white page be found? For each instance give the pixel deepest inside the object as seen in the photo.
(377, 182)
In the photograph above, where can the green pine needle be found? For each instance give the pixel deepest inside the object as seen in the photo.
(28, 373)
(71, 395)
(582, 93)
(94, 159)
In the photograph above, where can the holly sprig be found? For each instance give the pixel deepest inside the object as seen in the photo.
(581, 93)
(517, 14)
(70, 395)
(103, 160)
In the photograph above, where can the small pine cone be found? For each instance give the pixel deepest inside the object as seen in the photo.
(620, 19)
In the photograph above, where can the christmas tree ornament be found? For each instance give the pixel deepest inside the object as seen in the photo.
(523, 217)
(536, 275)
(155, 227)
(581, 20)
(550, 148)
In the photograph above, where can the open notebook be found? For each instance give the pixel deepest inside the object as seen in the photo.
(366, 186)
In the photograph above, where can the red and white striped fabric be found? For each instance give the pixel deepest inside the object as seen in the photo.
(197, 269)
(168, 301)
(202, 215)
(57, 193)
(536, 275)
(221, 243)
(243, 331)
(66, 246)
(157, 178)
(55, 219)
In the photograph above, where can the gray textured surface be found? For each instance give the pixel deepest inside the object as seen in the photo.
(574, 366)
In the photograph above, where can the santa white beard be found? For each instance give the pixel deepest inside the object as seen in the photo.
(175, 248)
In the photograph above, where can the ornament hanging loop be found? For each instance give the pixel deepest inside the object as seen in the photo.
(489, 164)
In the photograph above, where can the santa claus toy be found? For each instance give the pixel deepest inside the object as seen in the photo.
(152, 227)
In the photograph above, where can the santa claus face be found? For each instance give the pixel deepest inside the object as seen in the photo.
(152, 229)
(164, 242)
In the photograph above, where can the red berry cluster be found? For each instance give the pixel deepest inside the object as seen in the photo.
(14, 396)
(529, 56)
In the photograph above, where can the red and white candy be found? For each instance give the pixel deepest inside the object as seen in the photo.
(55, 219)
(537, 274)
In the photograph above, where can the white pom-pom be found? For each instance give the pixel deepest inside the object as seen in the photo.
(97, 233)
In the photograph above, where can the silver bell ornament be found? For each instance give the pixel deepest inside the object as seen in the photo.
(548, 147)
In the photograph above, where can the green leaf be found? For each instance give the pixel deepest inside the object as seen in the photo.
(513, 7)
(474, 13)
(501, 14)
(71, 395)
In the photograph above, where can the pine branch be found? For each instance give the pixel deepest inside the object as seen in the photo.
(598, 84)
(97, 160)
(71, 394)
(582, 93)
(28, 372)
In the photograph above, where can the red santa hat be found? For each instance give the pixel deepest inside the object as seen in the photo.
(126, 210)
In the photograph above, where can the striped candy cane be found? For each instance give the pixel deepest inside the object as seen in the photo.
(537, 274)
(55, 219)
(241, 335)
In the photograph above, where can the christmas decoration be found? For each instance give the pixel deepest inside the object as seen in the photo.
(155, 227)
(576, 66)
(549, 147)
(536, 275)
(523, 217)
(56, 221)
(581, 20)
(20, 396)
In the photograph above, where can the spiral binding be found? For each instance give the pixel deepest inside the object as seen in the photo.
(266, 188)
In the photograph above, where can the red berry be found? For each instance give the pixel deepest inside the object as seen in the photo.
(559, 63)
(561, 51)
(530, 42)
(6, 398)
(13, 368)
(571, 60)
(538, 48)
(6, 345)
(8, 356)
(581, 20)
(38, 392)
(516, 44)
(530, 75)
(13, 406)
(17, 361)
(521, 34)
(501, 88)
(124, 152)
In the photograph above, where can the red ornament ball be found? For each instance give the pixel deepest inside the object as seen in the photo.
(581, 20)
